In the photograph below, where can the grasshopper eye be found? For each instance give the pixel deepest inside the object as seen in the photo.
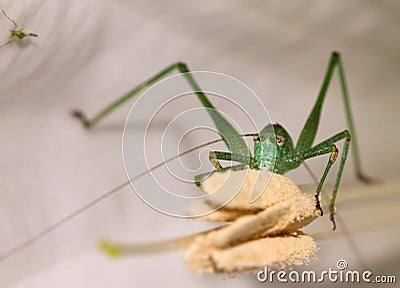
(280, 140)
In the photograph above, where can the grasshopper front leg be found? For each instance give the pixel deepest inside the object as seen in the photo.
(310, 128)
(214, 156)
(325, 147)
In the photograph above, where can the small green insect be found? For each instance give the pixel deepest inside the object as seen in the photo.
(16, 33)
(273, 146)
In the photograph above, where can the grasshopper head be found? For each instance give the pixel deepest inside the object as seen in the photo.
(272, 147)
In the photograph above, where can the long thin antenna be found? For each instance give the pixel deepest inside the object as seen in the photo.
(92, 203)
(9, 18)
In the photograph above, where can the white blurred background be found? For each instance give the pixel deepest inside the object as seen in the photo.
(89, 52)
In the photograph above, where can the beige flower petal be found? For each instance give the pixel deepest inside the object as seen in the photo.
(275, 188)
(274, 252)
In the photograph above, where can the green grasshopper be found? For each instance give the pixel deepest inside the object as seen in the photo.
(273, 146)
(16, 33)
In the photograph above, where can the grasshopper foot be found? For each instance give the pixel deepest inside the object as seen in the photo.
(78, 114)
(332, 216)
(318, 205)
(366, 179)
